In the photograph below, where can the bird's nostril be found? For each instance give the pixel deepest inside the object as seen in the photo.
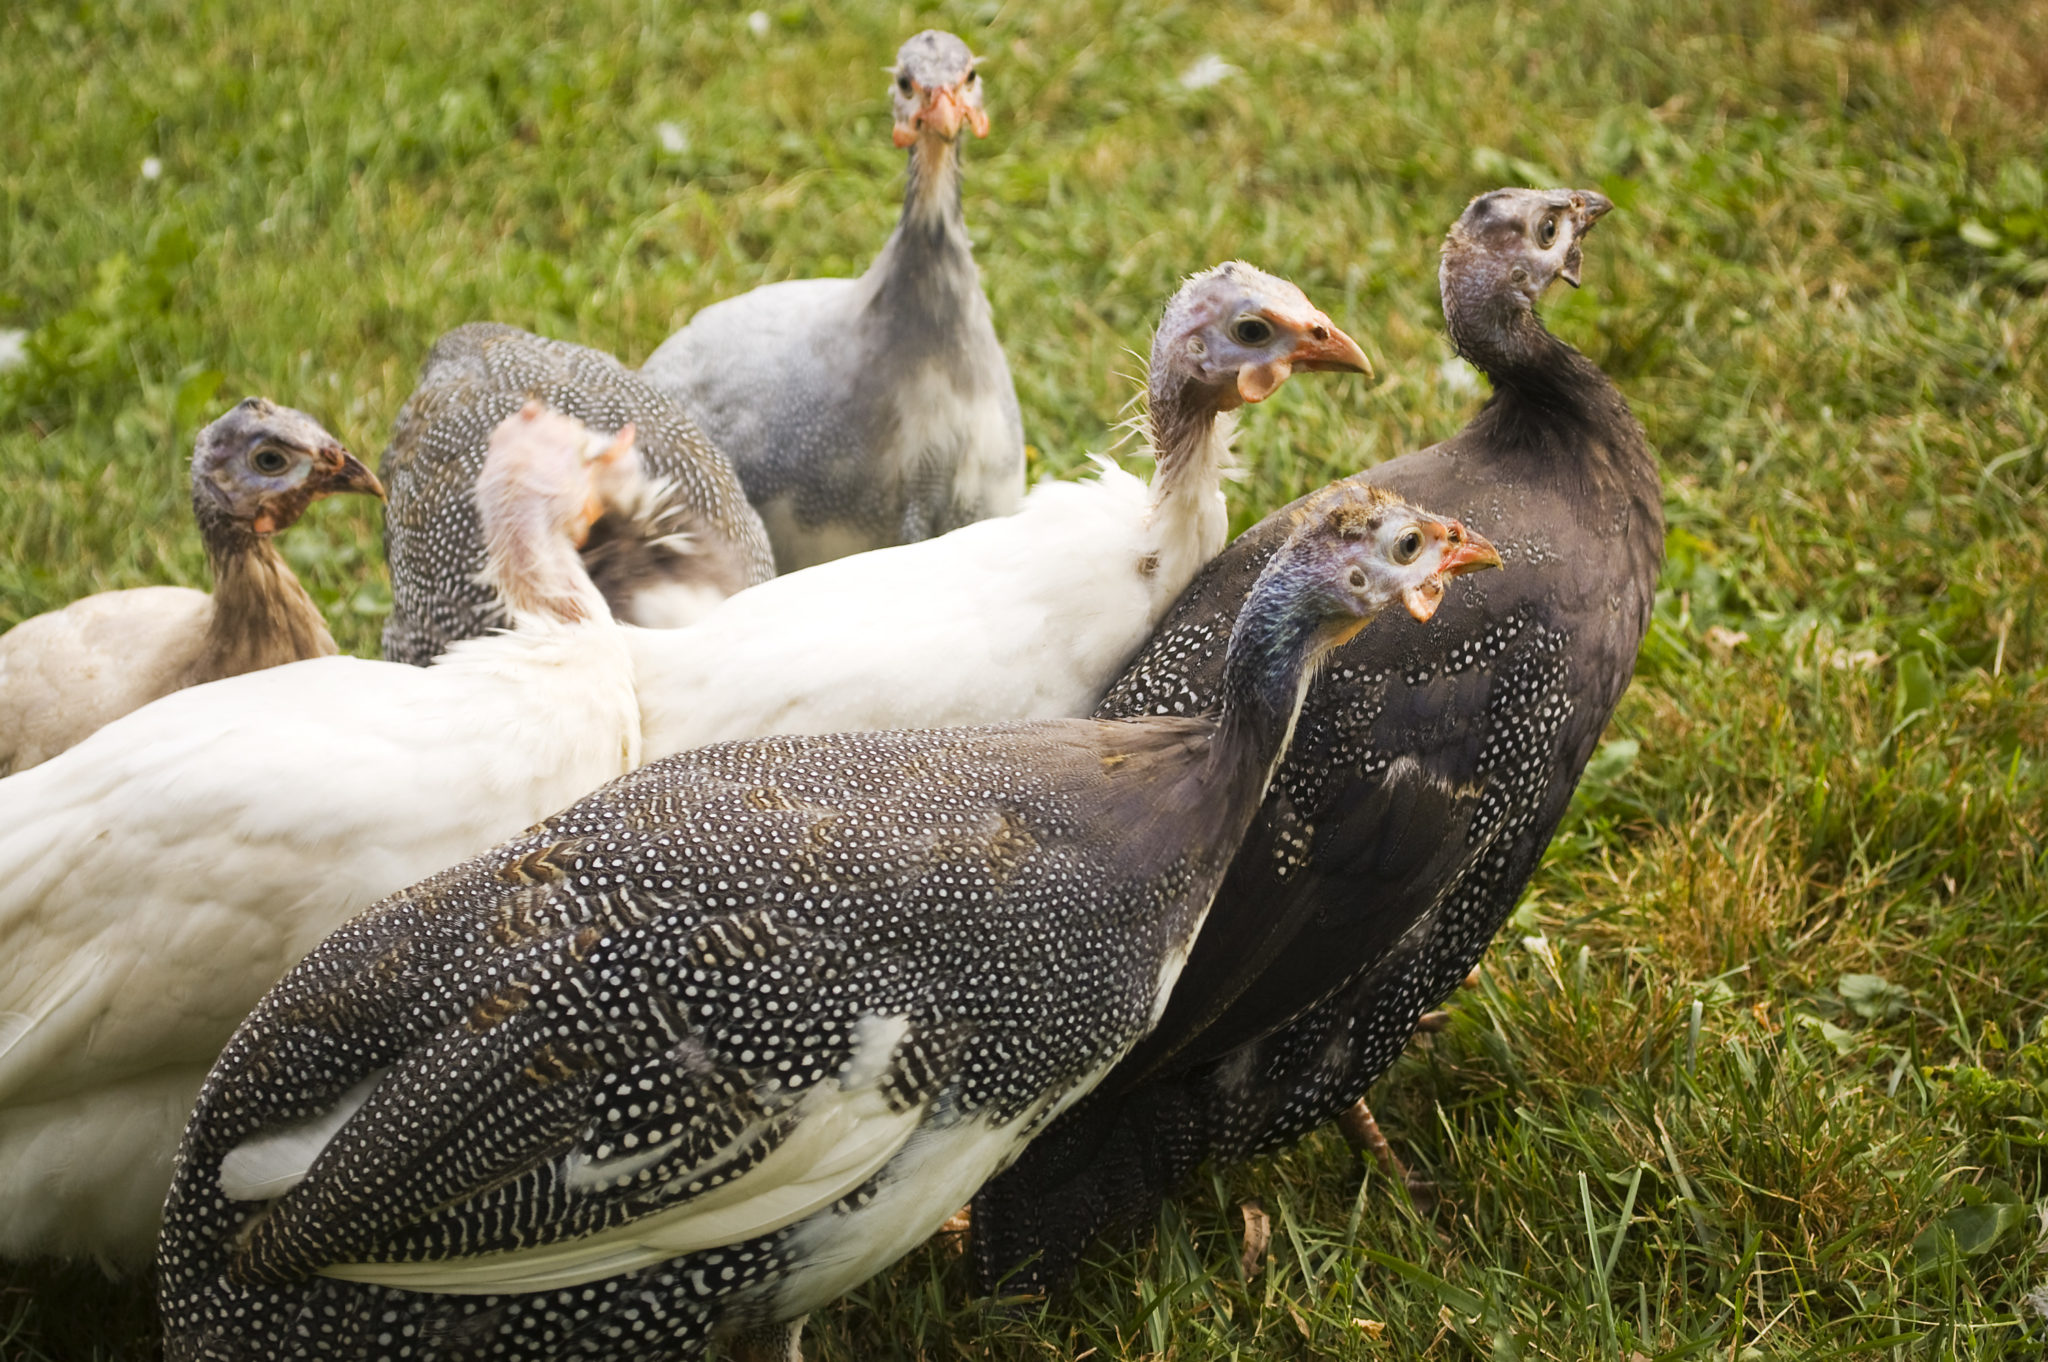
(1321, 333)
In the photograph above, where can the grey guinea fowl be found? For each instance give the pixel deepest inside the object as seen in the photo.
(719, 1041)
(66, 674)
(692, 542)
(1429, 772)
(867, 412)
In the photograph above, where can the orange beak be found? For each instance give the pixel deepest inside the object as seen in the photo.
(942, 110)
(1323, 349)
(1469, 551)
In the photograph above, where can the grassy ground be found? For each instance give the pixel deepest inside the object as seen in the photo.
(1761, 1069)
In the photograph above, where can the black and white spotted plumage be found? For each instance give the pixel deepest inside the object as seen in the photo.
(723, 1038)
(694, 542)
(1429, 770)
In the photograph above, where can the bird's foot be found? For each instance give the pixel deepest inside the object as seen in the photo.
(1362, 1132)
(1433, 1022)
(768, 1343)
(952, 1235)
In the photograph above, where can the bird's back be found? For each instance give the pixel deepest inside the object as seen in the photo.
(757, 967)
(1429, 769)
(69, 672)
(710, 539)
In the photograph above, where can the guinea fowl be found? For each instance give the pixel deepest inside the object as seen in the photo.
(1429, 771)
(873, 411)
(159, 876)
(254, 473)
(1027, 616)
(721, 1040)
(684, 544)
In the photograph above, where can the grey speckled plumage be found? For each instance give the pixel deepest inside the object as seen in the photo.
(1429, 770)
(867, 412)
(658, 564)
(572, 1077)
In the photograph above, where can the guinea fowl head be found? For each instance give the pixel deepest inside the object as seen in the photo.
(1232, 335)
(257, 469)
(935, 89)
(1353, 552)
(546, 480)
(1501, 255)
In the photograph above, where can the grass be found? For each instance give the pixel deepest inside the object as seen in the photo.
(1760, 1070)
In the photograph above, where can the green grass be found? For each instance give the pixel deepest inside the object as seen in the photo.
(1774, 1082)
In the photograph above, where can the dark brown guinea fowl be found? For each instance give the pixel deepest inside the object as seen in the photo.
(1428, 772)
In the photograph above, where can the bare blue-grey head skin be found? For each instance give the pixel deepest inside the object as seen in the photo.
(535, 1067)
(867, 412)
(1231, 335)
(258, 467)
(691, 541)
(1429, 770)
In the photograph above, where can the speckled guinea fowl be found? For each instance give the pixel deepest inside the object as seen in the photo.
(873, 411)
(1026, 616)
(689, 542)
(1429, 771)
(159, 876)
(67, 673)
(719, 1041)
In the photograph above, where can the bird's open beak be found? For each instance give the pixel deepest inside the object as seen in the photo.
(942, 110)
(1469, 551)
(1323, 349)
(341, 471)
(1588, 207)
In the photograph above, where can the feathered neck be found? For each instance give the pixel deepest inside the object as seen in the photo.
(262, 616)
(1275, 648)
(926, 269)
(1497, 329)
(536, 570)
(1190, 440)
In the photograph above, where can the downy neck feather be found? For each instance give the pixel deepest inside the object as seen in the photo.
(261, 616)
(1191, 442)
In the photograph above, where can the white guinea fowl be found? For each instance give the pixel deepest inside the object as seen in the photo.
(254, 472)
(159, 876)
(866, 412)
(1028, 616)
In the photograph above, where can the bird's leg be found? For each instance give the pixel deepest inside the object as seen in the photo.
(769, 1343)
(1362, 1132)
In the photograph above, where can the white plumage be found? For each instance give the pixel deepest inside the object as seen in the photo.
(158, 877)
(66, 673)
(1027, 616)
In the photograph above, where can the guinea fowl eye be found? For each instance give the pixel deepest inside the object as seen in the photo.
(1547, 233)
(1251, 331)
(903, 84)
(1409, 546)
(972, 76)
(270, 460)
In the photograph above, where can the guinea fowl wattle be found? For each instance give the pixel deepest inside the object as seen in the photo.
(1430, 769)
(867, 412)
(719, 1041)
(255, 470)
(688, 541)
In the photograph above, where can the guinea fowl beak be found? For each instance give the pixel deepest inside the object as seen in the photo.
(1323, 349)
(943, 111)
(1467, 551)
(342, 471)
(1588, 208)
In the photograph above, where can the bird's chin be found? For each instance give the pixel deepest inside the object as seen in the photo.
(1423, 598)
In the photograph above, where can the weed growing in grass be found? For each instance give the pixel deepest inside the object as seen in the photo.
(1775, 1083)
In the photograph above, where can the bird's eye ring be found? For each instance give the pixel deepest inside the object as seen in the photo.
(972, 76)
(271, 460)
(1409, 546)
(903, 83)
(1546, 233)
(1251, 331)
